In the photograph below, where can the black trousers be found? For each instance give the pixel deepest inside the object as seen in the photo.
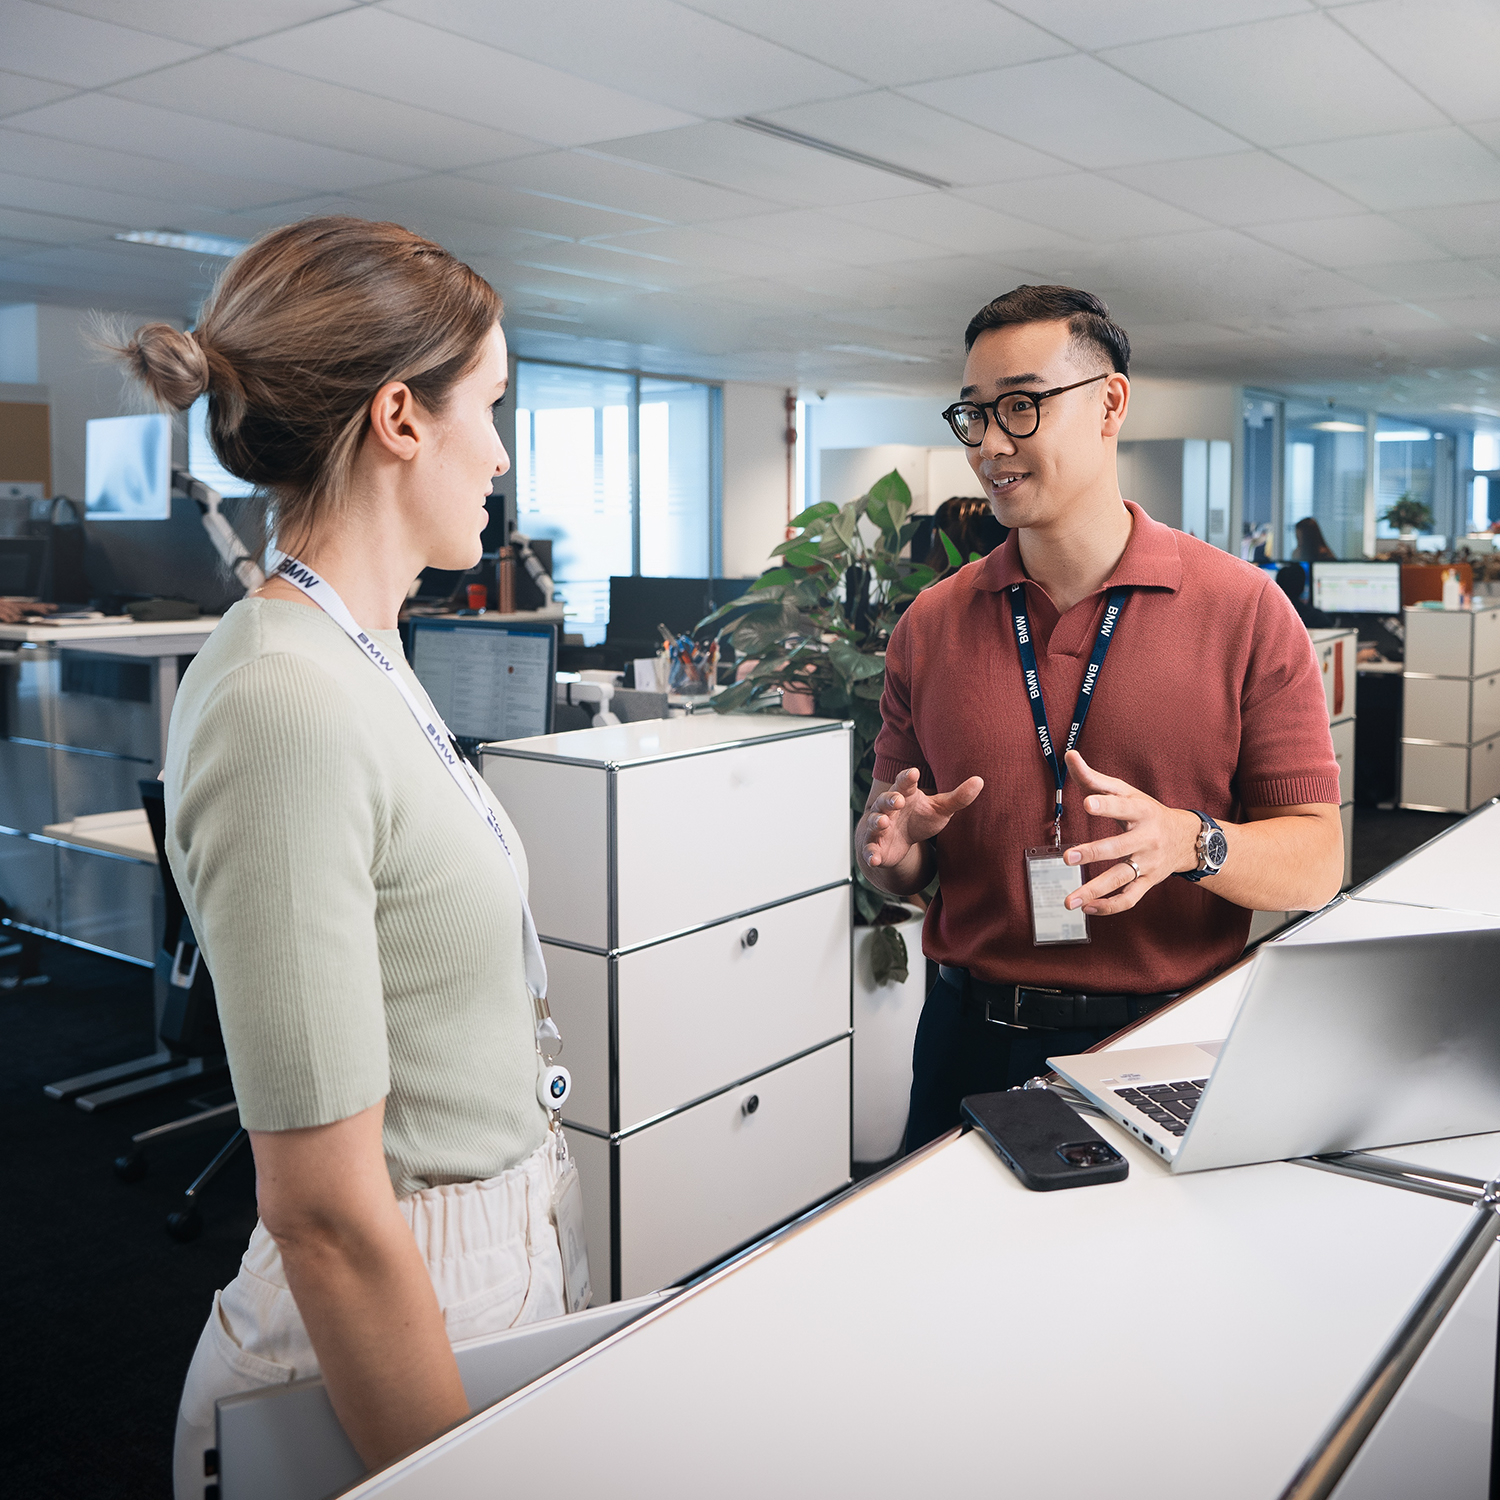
(958, 1052)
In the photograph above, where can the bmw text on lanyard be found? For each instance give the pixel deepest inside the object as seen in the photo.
(1021, 619)
(553, 1083)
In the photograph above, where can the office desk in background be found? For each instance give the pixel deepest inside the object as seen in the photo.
(84, 711)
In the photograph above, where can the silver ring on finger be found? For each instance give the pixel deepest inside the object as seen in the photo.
(1129, 861)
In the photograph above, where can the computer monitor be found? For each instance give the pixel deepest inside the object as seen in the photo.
(128, 469)
(489, 679)
(203, 462)
(637, 606)
(22, 562)
(1357, 588)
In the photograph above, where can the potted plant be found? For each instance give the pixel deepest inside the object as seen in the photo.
(816, 625)
(1408, 516)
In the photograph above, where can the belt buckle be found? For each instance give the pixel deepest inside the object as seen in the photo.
(1034, 989)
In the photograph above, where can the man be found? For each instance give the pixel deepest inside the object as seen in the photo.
(1210, 788)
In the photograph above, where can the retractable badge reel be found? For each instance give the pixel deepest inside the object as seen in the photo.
(553, 1085)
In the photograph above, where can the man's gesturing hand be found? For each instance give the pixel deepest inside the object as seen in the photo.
(902, 817)
(1161, 840)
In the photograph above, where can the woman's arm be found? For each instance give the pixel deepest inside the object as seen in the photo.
(359, 1283)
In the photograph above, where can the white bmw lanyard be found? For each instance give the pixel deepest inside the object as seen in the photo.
(553, 1084)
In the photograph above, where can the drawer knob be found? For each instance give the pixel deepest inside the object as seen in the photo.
(750, 938)
(751, 1104)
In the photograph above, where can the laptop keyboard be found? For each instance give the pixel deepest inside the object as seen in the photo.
(1171, 1105)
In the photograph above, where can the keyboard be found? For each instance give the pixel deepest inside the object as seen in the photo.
(1170, 1105)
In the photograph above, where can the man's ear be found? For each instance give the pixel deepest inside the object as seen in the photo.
(397, 420)
(1116, 400)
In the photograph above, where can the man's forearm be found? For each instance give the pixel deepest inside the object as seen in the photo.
(907, 877)
(1291, 862)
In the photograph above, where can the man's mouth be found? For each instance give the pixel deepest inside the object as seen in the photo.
(1002, 482)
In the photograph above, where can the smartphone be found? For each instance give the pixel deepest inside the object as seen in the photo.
(1044, 1140)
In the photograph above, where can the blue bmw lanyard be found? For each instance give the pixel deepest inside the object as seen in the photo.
(1021, 619)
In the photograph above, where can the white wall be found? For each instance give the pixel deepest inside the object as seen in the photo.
(755, 495)
(931, 474)
(18, 344)
(1192, 409)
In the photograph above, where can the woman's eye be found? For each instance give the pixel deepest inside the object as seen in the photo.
(496, 405)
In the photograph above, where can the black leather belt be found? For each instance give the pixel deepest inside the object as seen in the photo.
(1031, 1009)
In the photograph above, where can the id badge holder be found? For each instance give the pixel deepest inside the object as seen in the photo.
(1049, 883)
(567, 1216)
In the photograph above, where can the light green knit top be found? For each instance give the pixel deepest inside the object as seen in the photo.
(360, 922)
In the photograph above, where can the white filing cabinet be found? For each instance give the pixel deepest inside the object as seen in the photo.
(690, 881)
(1338, 653)
(1450, 731)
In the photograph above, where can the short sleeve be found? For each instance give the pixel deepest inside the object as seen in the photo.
(274, 834)
(896, 746)
(1286, 750)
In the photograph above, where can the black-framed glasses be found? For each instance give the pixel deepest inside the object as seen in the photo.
(1019, 413)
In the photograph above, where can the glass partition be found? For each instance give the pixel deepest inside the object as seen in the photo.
(1324, 477)
(675, 478)
(1405, 469)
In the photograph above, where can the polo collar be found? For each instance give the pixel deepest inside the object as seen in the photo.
(1151, 559)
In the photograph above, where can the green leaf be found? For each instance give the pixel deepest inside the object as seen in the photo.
(852, 663)
(815, 513)
(772, 578)
(955, 558)
(975, 556)
(890, 499)
(734, 697)
(804, 555)
(889, 963)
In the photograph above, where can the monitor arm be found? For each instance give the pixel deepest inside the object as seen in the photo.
(533, 565)
(225, 538)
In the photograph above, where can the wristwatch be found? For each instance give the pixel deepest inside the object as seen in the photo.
(1213, 849)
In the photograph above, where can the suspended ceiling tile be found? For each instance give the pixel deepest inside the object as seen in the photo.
(583, 177)
(718, 251)
(1373, 320)
(1488, 132)
(665, 52)
(1350, 240)
(1470, 229)
(18, 92)
(822, 236)
(55, 44)
(211, 25)
(1108, 23)
(1079, 109)
(122, 210)
(951, 223)
(1424, 280)
(1251, 187)
(1447, 48)
(207, 145)
(1417, 169)
(397, 58)
(1300, 78)
(750, 163)
(484, 203)
(901, 130)
(892, 41)
(1087, 207)
(39, 156)
(615, 263)
(240, 92)
(1470, 314)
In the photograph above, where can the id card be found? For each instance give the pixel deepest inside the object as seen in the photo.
(567, 1215)
(1049, 882)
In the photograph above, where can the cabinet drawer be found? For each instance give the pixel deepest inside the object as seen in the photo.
(697, 841)
(696, 1185)
(1486, 642)
(700, 1011)
(1450, 778)
(1343, 753)
(1451, 710)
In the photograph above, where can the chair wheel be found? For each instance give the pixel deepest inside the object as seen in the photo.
(131, 1167)
(185, 1225)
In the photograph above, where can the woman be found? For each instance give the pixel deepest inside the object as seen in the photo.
(362, 923)
(1311, 544)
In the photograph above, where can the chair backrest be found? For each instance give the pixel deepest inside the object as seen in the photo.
(190, 1017)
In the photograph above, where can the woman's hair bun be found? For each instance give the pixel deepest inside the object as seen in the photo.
(169, 363)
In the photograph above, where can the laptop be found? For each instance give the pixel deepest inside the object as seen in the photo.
(1336, 1047)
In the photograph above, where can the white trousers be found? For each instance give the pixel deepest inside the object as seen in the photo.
(490, 1247)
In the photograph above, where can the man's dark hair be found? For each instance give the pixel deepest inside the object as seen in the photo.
(1086, 316)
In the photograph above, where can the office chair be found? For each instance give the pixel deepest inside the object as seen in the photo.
(189, 1028)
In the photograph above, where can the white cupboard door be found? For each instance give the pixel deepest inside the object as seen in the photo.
(701, 837)
(578, 997)
(1343, 753)
(1486, 707)
(700, 1011)
(705, 1181)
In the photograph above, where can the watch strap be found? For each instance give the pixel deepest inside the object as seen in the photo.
(1196, 875)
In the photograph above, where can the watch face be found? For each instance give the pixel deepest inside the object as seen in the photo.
(1215, 848)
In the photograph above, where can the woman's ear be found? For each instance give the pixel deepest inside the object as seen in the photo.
(397, 421)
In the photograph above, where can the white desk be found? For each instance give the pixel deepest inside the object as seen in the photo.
(1459, 869)
(946, 1331)
(99, 634)
(126, 835)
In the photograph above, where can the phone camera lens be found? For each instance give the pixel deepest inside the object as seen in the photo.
(1087, 1154)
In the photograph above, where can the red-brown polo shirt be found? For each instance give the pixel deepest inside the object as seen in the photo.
(1210, 698)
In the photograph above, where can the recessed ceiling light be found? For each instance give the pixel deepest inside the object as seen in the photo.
(1336, 427)
(199, 244)
(1403, 435)
(797, 138)
(905, 359)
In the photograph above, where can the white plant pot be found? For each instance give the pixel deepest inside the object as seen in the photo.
(885, 1025)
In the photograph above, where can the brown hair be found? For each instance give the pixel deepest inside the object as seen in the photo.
(962, 517)
(294, 341)
(1087, 318)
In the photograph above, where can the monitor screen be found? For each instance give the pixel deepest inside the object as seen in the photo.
(490, 680)
(128, 469)
(203, 462)
(1357, 588)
